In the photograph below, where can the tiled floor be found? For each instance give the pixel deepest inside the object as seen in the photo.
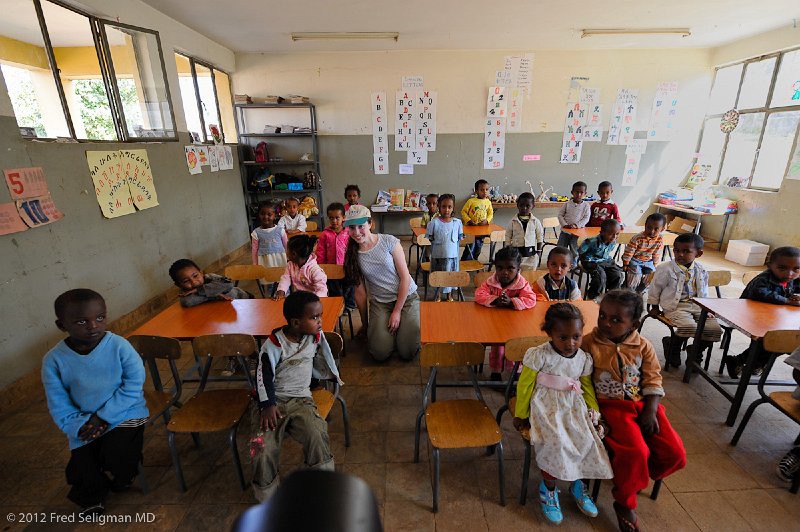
(722, 487)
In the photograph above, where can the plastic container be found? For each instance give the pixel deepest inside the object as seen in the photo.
(747, 252)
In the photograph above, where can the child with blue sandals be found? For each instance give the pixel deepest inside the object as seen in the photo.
(557, 404)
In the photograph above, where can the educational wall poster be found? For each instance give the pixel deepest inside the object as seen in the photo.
(524, 74)
(589, 95)
(417, 157)
(406, 169)
(38, 211)
(380, 133)
(425, 121)
(202, 155)
(622, 126)
(794, 166)
(26, 182)
(494, 144)
(514, 122)
(413, 82)
(664, 112)
(10, 222)
(576, 84)
(572, 145)
(593, 131)
(404, 137)
(633, 156)
(192, 161)
(516, 73)
(496, 102)
(110, 183)
(213, 162)
(225, 156)
(136, 166)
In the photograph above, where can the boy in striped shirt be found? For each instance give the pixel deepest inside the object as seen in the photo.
(643, 252)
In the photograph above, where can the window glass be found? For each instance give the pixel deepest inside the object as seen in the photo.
(188, 95)
(755, 86)
(208, 100)
(711, 145)
(140, 80)
(741, 150)
(27, 72)
(726, 85)
(225, 100)
(775, 149)
(787, 84)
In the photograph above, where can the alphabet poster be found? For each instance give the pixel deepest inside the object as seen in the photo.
(425, 121)
(633, 156)
(664, 112)
(622, 127)
(515, 110)
(122, 181)
(404, 138)
(574, 123)
(494, 142)
(380, 134)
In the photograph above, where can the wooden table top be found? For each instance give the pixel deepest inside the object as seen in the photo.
(588, 232)
(689, 211)
(466, 321)
(258, 317)
(476, 230)
(752, 318)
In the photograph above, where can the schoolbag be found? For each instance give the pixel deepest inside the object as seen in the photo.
(261, 153)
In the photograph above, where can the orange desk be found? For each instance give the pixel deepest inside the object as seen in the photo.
(257, 317)
(466, 321)
(752, 318)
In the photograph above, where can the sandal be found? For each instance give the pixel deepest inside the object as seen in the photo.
(624, 524)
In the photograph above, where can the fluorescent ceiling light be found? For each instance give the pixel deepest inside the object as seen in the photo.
(683, 32)
(336, 35)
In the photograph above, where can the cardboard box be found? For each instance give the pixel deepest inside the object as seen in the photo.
(747, 252)
(681, 225)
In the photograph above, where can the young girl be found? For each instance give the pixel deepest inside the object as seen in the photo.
(353, 196)
(556, 401)
(268, 241)
(506, 289)
(555, 285)
(445, 232)
(302, 271)
(331, 248)
(627, 378)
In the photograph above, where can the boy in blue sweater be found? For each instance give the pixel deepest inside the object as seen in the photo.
(93, 381)
(596, 259)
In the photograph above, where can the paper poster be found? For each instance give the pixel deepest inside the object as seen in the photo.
(136, 166)
(494, 144)
(192, 160)
(794, 166)
(576, 83)
(404, 137)
(503, 78)
(202, 155)
(406, 169)
(26, 182)
(425, 120)
(10, 222)
(575, 121)
(413, 82)
(589, 95)
(110, 183)
(622, 126)
(418, 157)
(213, 162)
(38, 211)
(380, 163)
(380, 127)
(225, 157)
(633, 156)
(664, 113)
(514, 110)
(593, 131)
(496, 102)
(524, 75)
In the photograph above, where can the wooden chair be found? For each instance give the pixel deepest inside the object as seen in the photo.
(622, 241)
(423, 246)
(449, 279)
(778, 343)
(553, 224)
(515, 351)
(324, 398)
(669, 241)
(247, 272)
(335, 272)
(414, 222)
(311, 225)
(214, 410)
(749, 276)
(458, 423)
(495, 237)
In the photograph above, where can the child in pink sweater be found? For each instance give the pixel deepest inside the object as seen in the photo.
(331, 248)
(505, 289)
(302, 271)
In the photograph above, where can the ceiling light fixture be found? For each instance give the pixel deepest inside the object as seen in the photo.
(344, 35)
(683, 32)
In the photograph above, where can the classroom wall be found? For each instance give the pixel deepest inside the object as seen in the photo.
(125, 259)
(340, 85)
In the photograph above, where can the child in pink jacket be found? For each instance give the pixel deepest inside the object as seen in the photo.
(302, 271)
(505, 289)
(331, 248)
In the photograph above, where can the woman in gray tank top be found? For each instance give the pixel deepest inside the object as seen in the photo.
(376, 262)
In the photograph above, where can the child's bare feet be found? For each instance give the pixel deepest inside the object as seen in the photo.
(626, 518)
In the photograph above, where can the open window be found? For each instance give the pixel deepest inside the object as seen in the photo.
(207, 100)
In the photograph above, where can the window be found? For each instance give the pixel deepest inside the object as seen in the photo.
(111, 81)
(766, 92)
(207, 101)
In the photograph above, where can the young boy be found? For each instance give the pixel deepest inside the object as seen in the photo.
(574, 214)
(789, 466)
(93, 381)
(197, 288)
(643, 252)
(525, 231)
(288, 360)
(779, 284)
(596, 260)
(432, 203)
(353, 196)
(604, 208)
(674, 284)
(331, 248)
(477, 211)
(292, 221)
(555, 285)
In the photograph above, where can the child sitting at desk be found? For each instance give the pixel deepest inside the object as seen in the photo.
(574, 214)
(302, 271)
(93, 381)
(779, 284)
(525, 231)
(290, 357)
(643, 252)
(197, 288)
(555, 285)
(674, 284)
(604, 208)
(505, 289)
(293, 222)
(596, 260)
(331, 247)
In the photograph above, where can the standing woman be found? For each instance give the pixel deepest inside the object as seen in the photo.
(377, 262)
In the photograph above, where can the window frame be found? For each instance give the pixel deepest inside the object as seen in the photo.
(193, 62)
(97, 26)
(766, 109)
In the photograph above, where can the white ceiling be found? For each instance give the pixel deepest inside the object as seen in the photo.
(253, 26)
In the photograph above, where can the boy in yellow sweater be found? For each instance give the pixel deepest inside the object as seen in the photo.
(477, 211)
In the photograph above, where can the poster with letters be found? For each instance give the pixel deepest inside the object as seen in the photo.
(404, 137)
(575, 121)
(425, 121)
(110, 183)
(494, 145)
(622, 126)
(664, 113)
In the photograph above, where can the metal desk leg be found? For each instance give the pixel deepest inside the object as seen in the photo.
(690, 364)
(699, 222)
(724, 226)
(744, 381)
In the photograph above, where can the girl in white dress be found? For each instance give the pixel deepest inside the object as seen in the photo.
(556, 402)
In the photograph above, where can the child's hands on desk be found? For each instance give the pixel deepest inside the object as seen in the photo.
(794, 299)
(571, 226)
(188, 292)
(92, 429)
(270, 417)
(280, 294)
(503, 301)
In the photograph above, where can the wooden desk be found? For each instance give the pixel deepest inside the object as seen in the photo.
(476, 230)
(536, 205)
(588, 232)
(460, 321)
(752, 318)
(258, 317)
(699, 215)
(383, 214)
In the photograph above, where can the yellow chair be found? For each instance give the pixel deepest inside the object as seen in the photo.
(777, 343)
(311, 226)
(749, 276)
(622, 241)
(458, 423)
(495, 237)
(669, 241)
(414, 223)
(335, 272)
(324, 398)
(448, 279)
(550, 223)
(247, 272)
(423, 246)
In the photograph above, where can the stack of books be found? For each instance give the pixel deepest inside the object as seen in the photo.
(294, 98)
(269, 99)
(241, 98)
